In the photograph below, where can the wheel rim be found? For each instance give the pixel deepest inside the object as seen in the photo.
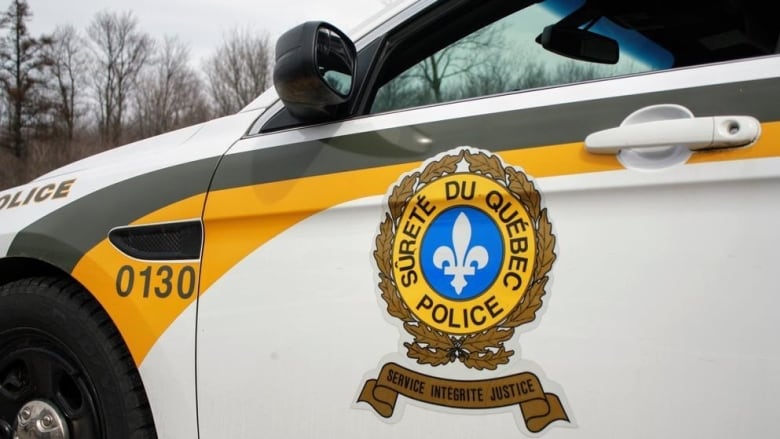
(34, 366)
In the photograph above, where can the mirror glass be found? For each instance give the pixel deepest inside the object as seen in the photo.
(334, 61)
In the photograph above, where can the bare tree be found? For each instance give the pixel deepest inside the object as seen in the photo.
(21, 73)
(450, 73)
(238, 71)
(169, 94)
(119, 53)
(532, 74)
(67, 66)
(455, 60)
(404, 91)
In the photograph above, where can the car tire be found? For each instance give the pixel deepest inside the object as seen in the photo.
(61, 353)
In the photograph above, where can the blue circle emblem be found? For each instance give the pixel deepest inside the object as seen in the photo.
(461, 253)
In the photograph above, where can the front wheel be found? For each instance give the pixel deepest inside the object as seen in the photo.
(65, 371)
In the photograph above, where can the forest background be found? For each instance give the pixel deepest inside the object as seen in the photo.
(75, 92)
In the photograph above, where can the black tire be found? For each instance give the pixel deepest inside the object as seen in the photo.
(58, 345)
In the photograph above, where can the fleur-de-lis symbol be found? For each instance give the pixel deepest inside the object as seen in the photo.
(460, 260)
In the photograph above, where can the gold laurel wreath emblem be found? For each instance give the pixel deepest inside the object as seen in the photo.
(484, 349)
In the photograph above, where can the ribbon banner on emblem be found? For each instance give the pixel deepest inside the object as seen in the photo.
(524, 390)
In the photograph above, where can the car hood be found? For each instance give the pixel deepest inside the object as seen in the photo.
(129, 152)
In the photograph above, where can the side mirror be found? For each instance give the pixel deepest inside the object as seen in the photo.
(314, 70)
(579, 44)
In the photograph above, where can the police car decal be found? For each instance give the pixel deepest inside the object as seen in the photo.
(37, 194)
(463, 254)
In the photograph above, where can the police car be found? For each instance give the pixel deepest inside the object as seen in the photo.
(480, 219)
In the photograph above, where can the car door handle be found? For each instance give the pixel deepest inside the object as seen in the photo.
(695, 133)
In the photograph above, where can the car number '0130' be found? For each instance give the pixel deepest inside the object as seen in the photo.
(162, 281)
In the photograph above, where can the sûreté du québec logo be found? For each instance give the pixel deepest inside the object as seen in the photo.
(464, 253)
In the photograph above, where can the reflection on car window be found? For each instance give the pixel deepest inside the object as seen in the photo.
(504, 56)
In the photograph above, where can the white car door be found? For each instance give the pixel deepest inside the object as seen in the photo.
(452, 262)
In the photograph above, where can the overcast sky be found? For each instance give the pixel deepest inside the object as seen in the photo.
(201, 23)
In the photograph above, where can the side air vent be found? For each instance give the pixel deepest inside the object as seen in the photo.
(160, 242)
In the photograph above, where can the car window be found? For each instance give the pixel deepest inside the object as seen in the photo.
(504, 55)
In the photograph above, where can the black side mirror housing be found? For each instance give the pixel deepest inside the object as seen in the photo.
(579, 44)
(314, 70)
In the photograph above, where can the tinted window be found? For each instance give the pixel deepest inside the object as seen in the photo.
(505, 56)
